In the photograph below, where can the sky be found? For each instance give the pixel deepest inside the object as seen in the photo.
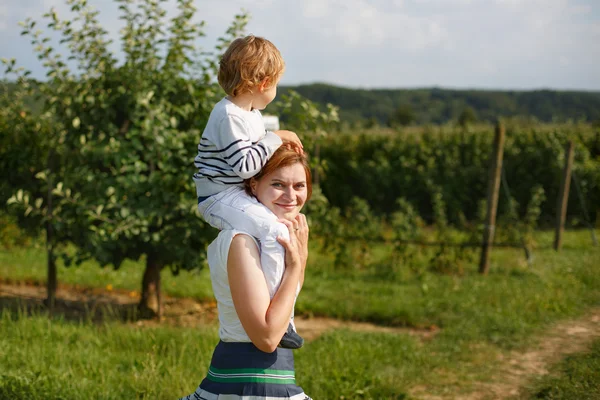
(461, 44)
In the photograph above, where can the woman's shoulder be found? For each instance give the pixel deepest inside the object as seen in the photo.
(227, 235)
(219, 248)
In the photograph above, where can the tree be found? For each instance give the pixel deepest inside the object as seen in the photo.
(402, 116)
(311, 124)
(467, 117)
(28, 145)
(127, 134)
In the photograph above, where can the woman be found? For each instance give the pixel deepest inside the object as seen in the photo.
(247, 362)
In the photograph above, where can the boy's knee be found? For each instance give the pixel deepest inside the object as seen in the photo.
(277, 230)
(282, 230)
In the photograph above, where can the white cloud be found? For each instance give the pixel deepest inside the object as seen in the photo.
(360, 23)
(315, 8)
(444, 2)
(476, 43)
(258, 3)
(564, 61)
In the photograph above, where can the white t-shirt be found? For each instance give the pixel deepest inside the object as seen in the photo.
(230, 329)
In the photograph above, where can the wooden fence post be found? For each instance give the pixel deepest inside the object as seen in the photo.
(492, 198)
(563, 196)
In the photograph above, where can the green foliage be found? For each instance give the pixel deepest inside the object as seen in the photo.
(402, 116)
(125, 132)
(11, 235)
(304, 117)
(518, 229)
(467, 117)
(452, 162)
(448, 258)
(25, 140)
(310, 123)
(348, 236)
(407, 229)
(354, 235)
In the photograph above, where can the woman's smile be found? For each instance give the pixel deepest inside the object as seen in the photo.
(286, 206)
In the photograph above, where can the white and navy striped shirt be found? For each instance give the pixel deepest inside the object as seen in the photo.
(234, 146)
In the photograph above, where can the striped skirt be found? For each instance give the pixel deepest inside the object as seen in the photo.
(239, 371)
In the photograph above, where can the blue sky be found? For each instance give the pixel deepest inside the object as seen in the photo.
(487, 44)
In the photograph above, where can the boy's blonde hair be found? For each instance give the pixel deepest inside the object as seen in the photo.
(247, 62)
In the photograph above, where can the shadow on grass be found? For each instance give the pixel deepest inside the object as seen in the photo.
(98, 305)
(92, 310)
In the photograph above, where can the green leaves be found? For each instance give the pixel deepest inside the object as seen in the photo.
(116, 140)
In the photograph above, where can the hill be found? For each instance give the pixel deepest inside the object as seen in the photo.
(367, 107)
(437, 106)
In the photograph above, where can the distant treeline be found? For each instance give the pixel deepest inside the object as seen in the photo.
(367, 107)
(393, 107)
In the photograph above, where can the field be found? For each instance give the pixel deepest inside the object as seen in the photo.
(97, 156)
(433, 336)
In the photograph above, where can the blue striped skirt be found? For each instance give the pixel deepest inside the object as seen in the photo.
(241, 371)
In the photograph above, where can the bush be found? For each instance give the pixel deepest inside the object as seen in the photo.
(454, 162)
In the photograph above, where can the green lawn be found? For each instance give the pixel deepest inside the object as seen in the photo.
(480, 317)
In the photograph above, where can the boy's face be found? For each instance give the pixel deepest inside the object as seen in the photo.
(266, 94)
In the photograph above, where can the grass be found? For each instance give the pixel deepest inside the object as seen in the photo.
(507, 304)
(45, 358)
(56, 359)
(481, 317)
(577, 377)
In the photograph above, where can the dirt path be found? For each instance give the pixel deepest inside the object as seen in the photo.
(74, 302)
(518, 368)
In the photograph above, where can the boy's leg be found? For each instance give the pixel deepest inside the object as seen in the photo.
(215, 219)
(234, 209)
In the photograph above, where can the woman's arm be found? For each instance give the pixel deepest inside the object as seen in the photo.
(265, 320)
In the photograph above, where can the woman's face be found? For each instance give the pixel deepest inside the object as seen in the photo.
(284, 191)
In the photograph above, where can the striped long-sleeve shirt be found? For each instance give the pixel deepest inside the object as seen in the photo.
(234, 146)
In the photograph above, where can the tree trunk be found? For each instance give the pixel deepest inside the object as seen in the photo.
(52, 280)
(150, 304)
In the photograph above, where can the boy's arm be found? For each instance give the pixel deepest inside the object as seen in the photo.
(245, 157)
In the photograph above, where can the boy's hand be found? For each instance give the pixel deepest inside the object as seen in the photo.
(292, 139)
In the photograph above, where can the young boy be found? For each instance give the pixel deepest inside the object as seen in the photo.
(235, 146)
